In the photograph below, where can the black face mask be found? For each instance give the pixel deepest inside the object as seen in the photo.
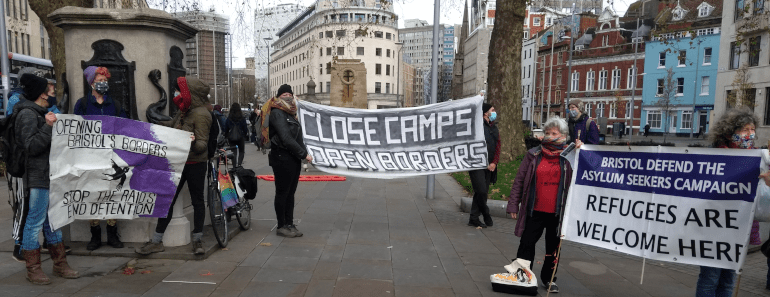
(51, 101)
(101, 87)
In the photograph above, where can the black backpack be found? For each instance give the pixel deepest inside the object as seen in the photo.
(248, 181)
(14, 155)
(213, 135)
(236, 135)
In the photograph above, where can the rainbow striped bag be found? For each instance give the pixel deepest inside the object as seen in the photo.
(227, 190)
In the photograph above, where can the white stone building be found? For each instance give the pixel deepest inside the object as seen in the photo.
(267, 22)
(339, 29)
(528, 75)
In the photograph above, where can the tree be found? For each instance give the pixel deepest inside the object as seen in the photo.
(668, 98)
(42, 9)
(504, 80)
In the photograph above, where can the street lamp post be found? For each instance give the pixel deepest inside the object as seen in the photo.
(695, 89)
(572, 34)
(267, 46)
(399, 102)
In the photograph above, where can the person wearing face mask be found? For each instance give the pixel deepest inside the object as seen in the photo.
(580, 124)
(538, 195)
(287, 149)
(193, 116)
(17, 94)
(99, 102)
(736, 129)
(33, 128)
(481, 178)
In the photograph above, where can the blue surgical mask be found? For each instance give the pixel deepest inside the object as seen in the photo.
(492, 116)
(573, 113)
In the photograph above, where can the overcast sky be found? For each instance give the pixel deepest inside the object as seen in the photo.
(451, 13)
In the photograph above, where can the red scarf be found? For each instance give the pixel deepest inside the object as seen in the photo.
(184, 100)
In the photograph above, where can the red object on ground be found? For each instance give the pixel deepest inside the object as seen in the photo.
(308, 178)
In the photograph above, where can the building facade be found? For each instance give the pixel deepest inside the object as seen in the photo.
(330, 30)
(26, 34)
(744, 62)
(687, 47)
(528, 77)
(417, 38)
(267, 22)
(207, 55)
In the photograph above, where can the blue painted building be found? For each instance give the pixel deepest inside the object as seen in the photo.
(692, 56)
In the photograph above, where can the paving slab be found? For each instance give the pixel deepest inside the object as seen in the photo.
(420, 278)
(363, 287)
(366, 269)
(274, 289)
(371, 252)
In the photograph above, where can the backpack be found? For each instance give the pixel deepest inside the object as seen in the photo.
(213, 136)
(14, 156)
(236, 135)
(247, 180)
(263, 137)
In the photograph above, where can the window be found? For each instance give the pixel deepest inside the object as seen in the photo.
(588, 109)
(704, 10)
(654, 119)
(708, 31)
(662, 59)
(682, 58)
(559, 58)
(340, 33)
(377, 34)
(387, 53)
(387, 35)
(320, 34)
(631, 78)
(686, 119)
(661, 86)
(759, 7)
(739, 9)
(378, 87)
(602, 80)
(767, 106)
(526, 35)
(321, 52)
(735, 56)
(679, 86)
(387, 88)
(615, 79)
(321, 68)
(590, 80)
(378, 52)
(575, 81)
(547, 21)
(378, 69)
(754, 50)
(328, 87)
(707, 56)
(360, 51)
(536, 22)
(613, 110)
(328, 51)
(558, 78)
(387, 69)
(704, 85)
(329, 68)
(329, 34)
(628, 110)
(22, 44)
(750, 97)
(340, 50)
(599, 109)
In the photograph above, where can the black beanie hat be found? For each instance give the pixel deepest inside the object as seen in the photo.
(33, 86)
(284, 89)
(485, 107)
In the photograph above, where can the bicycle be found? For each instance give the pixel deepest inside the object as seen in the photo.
(220, 217)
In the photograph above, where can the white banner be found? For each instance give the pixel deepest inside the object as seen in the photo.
(681, 205)
(105, 167)
(395, 143)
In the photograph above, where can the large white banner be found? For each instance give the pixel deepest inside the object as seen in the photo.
(681, 205)
(105, 167)
(395, 143)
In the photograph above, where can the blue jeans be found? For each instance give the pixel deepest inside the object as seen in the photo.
(37, 219)
(715, 282)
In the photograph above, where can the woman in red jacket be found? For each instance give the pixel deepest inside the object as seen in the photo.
(538, 193)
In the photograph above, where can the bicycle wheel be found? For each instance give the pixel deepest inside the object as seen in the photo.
(218, 220)
(243, 208)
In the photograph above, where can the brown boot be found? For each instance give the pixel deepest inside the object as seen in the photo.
(35, 275)
(60, 266)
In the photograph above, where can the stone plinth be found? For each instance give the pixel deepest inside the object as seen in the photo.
(131, 43)
(348, 84)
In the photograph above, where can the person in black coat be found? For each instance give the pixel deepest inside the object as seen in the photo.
(287, 149)
(236, 121)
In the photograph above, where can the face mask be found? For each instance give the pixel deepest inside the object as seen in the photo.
(287, 99)
(573, 113)
(745, 141)
(101, 87)
(51, 101)
(492, 116)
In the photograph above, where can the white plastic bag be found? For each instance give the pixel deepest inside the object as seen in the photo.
(762, 213)
(519, 280)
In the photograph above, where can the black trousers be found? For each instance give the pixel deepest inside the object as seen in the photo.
(532, 232)
(286, 169)
(195, 175)
(241, 152)
(480, 180)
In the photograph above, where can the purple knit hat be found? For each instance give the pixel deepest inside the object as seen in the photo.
(90, 74)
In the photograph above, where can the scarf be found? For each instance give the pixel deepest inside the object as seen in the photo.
(184, 100)
(275, 102)
(553, 147)
(571, 124)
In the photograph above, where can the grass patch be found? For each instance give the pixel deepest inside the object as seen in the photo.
(506, 172)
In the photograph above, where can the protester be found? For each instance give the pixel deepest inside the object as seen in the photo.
(219, 116)
(736, 129)
(235, 120)
(253, 120)
(192, 117)
(287, 149)
(16, 94)
(647, 130)
(99, 102)
(33, 126)
(580, 124)
(538, 195)
(481, 178)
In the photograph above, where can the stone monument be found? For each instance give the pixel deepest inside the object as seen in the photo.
(131, 43)
(348, 84)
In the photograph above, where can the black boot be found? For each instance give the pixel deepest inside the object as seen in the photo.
(112, 237)
(96, 238)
